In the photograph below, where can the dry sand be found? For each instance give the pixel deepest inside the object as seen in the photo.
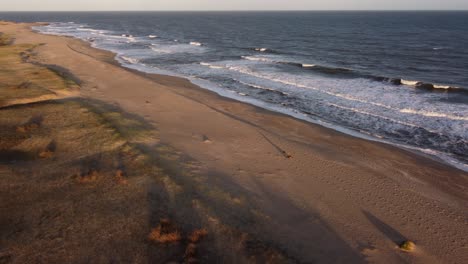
(267, 187)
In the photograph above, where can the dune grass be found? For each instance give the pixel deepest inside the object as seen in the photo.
(5, 39)
(22, 80)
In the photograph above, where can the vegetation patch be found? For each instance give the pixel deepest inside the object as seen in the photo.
(165, 233)
(22, 81)
(407, 246)
(5, 39)
(197, 235)
(120, 177)
(87, 177)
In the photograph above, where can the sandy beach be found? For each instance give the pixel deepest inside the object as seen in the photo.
(123, 155)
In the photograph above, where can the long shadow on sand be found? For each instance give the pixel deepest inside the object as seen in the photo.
(392, 234)
(267, 225)
(243, 226)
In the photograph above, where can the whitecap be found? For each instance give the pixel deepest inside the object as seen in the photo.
(410, 83)
(194, 43)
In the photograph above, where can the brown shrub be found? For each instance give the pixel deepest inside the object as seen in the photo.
(27, 127)
(191, 253)
(49, 150)
(33, 124)
(91, 176)
(157, 235)
(165, 233)
(407, 246)
(46, 154)
(21, 129)
(191, 250)
(120, 177)
(197, 235)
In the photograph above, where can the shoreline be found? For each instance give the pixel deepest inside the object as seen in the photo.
(446, 161)
(434, 155)
(289, 183)
(443, 158)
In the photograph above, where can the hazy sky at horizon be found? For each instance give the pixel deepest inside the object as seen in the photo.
(85, 5)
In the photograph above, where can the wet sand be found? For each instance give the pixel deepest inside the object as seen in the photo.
(272, 187)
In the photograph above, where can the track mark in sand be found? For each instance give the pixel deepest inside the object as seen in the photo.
(205, 139)
(405, 210)
(278, 148)
(80, 52)
(201, 137)
(49, 150)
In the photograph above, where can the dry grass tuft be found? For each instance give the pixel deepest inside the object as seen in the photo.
(407, 246)
(165, 233)
(25, 81)
(197, 235)
(157, 235)
(49, 151)
(46, 154)
(5, 39)
(191, 253)
(120, 177)
(33, 124)
(27, 127)
(91, 176)
(191, 250)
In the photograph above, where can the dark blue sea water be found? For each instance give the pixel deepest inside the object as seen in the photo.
(398, 77)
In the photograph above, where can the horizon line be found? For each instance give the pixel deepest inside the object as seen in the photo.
(259, 10)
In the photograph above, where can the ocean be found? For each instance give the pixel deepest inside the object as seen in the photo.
(396, 77)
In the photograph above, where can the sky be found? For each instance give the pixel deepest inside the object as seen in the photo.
(93, 5)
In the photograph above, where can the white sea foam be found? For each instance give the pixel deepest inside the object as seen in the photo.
(211, 65)
(300, 85)
(253, 58)
(256, 86)
(433, 114)
(152, 36)
(158, 49)
(87, 29)
(129, 60)
(373, 114)
(176, 48)
(260, 87)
